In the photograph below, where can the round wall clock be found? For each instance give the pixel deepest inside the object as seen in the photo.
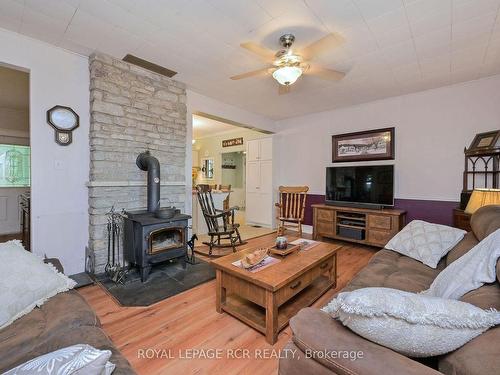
(64, 120)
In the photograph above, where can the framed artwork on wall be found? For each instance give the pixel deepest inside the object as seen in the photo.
(377, 144)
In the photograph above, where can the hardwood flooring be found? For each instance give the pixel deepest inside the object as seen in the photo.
(180, 326)
(8, 237)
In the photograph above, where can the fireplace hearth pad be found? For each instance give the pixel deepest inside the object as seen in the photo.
(165, 280)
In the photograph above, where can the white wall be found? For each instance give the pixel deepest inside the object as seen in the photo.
(432, 129)
(59, 174)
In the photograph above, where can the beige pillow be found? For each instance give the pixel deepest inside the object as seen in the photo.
(412, 324)
(78, 359)
(26, 282)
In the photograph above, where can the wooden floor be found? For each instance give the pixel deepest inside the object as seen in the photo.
(182, 324)
(8, 237)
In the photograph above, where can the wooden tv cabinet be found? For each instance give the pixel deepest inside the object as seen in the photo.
(361, 225)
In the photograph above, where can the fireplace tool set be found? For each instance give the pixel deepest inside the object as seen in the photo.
(116, 268)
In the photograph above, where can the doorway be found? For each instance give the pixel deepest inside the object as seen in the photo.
(15, 156)
(220, 161)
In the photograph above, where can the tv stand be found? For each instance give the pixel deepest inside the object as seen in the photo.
(367, 226)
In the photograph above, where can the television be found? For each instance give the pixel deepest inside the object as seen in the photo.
(361, 186)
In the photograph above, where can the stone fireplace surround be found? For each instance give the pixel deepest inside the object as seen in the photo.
(131, 110)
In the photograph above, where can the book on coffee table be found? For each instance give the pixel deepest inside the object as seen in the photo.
(305, 244)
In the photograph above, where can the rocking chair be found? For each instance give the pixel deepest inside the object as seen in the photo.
(220, 223)
(292, 202)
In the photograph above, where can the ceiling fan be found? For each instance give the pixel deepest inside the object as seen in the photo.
(288, 65)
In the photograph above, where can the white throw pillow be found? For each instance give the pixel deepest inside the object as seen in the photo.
(425, 242)
(412, 324)
(26, 282)
(470, 271)
(79, 359)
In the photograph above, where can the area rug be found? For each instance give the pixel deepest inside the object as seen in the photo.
(165, 280)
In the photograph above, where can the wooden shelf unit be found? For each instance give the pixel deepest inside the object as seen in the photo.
(377, 226)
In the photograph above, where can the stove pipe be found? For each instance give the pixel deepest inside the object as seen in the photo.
(149, 163)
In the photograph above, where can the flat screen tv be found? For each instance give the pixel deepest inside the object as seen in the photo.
(371, 185)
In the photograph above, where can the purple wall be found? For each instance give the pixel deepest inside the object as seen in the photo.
(439, 212)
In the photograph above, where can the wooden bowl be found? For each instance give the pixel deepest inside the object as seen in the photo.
(255, 257)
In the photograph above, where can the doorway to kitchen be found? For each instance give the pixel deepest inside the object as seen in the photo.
(220, 161)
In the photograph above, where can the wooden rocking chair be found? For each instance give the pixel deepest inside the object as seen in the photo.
(291, 206)
(220, 223)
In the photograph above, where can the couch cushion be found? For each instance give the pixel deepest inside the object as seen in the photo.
(314, 330)
(477, 357)
(392, 270)
(93, 336)
(462, 248)
(485, 221)
(485, 297)
(59, 314)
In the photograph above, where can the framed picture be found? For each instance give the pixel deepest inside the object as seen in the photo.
(367, 145)
(485, 141)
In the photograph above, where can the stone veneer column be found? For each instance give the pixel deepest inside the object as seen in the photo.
(132, 110)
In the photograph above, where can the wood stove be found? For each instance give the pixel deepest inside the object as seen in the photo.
(150, 236)
(149, 240)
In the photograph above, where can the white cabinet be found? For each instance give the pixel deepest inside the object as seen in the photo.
(253, 150)
(260, 149)
(259, 182)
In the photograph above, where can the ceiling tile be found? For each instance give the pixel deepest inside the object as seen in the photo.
(433, 43)
(338, 15)
(466, 9)
(426, 9)
(430, 23)
(247, 13)
(388, 49)
(11, 15)
(375, 8)
(400, 54)
(40, 26)
(55, 9)
(474, 26)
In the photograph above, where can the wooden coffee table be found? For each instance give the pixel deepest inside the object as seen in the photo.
(267, 299)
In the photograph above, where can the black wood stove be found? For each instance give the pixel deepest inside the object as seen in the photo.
(154, 235)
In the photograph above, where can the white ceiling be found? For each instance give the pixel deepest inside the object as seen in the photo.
(392, 47)
(204, 127)
(14, 89)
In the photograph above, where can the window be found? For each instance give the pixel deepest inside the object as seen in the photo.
(14, 166)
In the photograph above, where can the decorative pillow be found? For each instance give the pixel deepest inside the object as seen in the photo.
(425, 242)
(412, 324)
(78, 359)
(470, 271)
(26, 282)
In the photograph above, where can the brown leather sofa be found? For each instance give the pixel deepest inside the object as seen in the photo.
(315, 331)
(65, 319)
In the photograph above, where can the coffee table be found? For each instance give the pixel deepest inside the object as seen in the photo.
(267, 299)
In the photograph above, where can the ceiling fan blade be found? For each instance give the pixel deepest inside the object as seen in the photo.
(325, 73)
(328, 42)
(263, 52)
(282, 89)
(254, 73)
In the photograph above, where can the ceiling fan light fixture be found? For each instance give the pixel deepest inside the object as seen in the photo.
(287, 75)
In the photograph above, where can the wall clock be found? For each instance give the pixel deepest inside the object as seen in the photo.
(64, 120)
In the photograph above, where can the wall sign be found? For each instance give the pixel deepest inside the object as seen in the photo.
(232, 142)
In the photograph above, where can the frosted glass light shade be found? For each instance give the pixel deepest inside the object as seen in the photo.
(287, 75)
(482, 197)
